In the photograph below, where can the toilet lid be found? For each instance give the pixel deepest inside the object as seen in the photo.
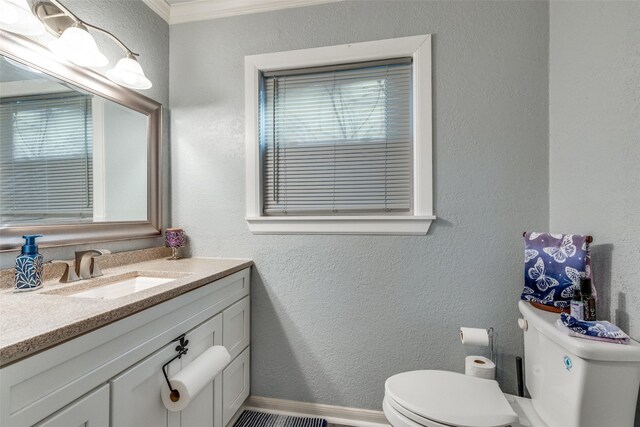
(451, 398)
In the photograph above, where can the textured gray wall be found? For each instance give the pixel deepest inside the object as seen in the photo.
(146, 33)
(594, 143)
(334, 316)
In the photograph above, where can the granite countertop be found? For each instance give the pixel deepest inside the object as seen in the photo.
(34, 321)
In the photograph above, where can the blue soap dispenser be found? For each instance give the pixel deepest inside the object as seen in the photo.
(29, 265)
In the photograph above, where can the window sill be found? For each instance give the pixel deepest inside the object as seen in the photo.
(372, 225)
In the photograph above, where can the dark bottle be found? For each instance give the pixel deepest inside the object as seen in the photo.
(577, 306)
(588, 300)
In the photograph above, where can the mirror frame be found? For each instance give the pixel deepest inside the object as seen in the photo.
(35, 55)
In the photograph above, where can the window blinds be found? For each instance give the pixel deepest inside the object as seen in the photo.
(46, 158)
(337, 141)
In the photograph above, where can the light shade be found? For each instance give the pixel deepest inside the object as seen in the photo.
(128, 72)
(16, 16)
(79, 47)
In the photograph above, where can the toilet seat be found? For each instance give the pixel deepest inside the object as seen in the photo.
(398, 420)
(404, 418)
(434, 398)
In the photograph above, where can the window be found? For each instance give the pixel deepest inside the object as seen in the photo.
(339, 139)
(46, 158)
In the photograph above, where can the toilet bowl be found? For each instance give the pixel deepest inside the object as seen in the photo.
(573, 382)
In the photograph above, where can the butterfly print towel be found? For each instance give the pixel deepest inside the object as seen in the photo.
(553, 267)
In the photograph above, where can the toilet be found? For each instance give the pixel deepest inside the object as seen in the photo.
(573, 382)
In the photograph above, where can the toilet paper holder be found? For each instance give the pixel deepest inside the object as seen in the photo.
(182, 349)
(491, 344)
(492, 354)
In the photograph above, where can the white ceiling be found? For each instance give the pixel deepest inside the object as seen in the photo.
(181, 11)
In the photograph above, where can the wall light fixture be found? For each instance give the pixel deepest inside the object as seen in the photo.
(74, 42)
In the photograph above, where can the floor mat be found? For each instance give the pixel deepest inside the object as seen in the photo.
(261, 419)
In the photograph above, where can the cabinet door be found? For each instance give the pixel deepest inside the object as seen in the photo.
(205, 410)
(91, 410)
(236, 328)
(235, 384)
(135, 394)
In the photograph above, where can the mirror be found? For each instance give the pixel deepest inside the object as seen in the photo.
(79, 155)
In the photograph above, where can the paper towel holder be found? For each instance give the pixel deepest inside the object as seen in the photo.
(182, 349)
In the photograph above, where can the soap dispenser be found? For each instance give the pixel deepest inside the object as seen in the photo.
(29, 265)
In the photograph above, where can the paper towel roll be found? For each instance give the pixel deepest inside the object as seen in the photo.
(191, 380)
(474, 336)
(480, 367)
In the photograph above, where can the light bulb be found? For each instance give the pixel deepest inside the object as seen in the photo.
(16, 16)
(129, 79)
(128, 72)
(79, 47)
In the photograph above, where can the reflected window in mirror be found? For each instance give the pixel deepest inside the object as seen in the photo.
(46, 158)
(67, 156)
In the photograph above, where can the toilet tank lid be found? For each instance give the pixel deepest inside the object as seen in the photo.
(451, 398)
(545, 323)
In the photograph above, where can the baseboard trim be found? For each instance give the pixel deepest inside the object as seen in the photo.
(333, 414)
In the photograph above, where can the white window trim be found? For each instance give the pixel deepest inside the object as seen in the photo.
(99, 160)
(417, 47)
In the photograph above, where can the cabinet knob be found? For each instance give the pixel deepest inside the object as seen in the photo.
(522, 323)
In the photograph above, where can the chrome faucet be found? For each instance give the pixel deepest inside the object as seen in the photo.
(69, 274)
(86, 264)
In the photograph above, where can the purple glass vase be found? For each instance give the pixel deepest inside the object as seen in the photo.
(174, 238)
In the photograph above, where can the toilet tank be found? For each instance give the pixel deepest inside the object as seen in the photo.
(574, 382)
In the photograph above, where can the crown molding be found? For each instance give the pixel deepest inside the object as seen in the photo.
(201, 10)
(161, 7)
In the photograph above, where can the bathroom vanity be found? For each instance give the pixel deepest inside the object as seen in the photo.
(68, 360)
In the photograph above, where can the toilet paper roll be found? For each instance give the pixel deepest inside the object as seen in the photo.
(191, 380)
(474, 336)
(479, 367)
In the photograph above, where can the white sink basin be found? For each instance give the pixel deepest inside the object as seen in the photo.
(123, 287)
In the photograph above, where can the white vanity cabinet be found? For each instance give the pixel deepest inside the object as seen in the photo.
(112, 377)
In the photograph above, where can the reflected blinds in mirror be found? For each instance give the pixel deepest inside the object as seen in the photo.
(337, 141)
(46, 158)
